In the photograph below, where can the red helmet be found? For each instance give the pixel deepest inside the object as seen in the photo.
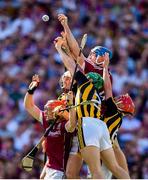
(125, 104)
(51, 104)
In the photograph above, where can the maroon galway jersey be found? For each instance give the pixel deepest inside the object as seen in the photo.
(90, 67)
(57, 144)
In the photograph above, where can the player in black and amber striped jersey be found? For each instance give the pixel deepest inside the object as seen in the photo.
(116, 109)
(88, 91)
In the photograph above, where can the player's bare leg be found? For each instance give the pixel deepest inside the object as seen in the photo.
(120, 157)
(73, 166)
(91, 156)
(110, 161)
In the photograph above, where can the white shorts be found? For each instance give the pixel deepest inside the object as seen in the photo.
(93, 132)
(75, 146)
(53, 174)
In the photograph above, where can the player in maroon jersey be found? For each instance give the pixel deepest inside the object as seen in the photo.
(74, 162)
(94, 62)
(55, 143)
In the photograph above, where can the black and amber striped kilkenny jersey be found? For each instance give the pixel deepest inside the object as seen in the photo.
(112, 118)
(86, 92)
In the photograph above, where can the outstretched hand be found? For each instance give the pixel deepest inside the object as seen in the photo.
(63, 19)
(106, 60)
(35, 82)
(61, 43)
(63, 35)
(58, 42)
(36, 78)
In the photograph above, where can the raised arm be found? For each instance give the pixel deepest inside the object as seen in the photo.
(67, 60)
(72, 43)
(106, 78)
(29, 101)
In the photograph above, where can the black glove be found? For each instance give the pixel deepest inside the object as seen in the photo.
(32, 87)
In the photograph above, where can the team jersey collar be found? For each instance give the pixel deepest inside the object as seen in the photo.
(94, 65)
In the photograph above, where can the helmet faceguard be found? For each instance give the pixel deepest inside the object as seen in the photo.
(50, 106)
(97, 80)
(100, 52)
(125, 104)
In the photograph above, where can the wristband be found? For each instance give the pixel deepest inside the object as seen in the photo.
(33, 87)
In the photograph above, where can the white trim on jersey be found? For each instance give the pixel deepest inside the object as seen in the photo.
(94, 65)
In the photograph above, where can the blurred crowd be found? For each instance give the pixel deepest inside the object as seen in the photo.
(26, 48)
